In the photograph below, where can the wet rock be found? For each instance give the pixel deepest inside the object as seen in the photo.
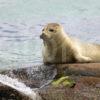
(86, 77)
(8, 93)
(34, 77)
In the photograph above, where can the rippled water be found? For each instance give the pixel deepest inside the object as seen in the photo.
(21, 22)
(18, 45)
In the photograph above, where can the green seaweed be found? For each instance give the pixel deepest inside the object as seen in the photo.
(63, 81)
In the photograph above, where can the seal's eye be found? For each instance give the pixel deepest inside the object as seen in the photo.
(51, 30)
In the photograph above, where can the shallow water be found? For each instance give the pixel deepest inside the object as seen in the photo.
(21, 22)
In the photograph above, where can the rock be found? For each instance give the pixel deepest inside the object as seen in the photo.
(84, 69)
(89, 81)
(69, 94)
(8, 93)
(86, 77)
(34, 77)
(84, 89)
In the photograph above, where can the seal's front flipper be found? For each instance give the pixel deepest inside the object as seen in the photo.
(83, 59)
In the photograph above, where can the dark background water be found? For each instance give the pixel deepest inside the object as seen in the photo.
(21, 22)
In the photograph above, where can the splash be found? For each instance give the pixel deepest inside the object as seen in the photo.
(20, 87)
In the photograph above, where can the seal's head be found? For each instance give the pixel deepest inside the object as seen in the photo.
(50, 31)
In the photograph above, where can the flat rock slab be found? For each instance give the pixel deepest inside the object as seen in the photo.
(85, 69)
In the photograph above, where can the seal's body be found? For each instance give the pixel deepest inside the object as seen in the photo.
(60, 48)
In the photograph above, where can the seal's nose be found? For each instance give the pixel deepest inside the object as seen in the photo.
(41, 36)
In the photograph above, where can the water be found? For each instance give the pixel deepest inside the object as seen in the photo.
(18, 45)
(21, 22)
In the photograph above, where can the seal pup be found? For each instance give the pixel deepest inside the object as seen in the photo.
(60, 48)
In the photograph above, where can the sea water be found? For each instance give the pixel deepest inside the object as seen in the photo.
(21, 22)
